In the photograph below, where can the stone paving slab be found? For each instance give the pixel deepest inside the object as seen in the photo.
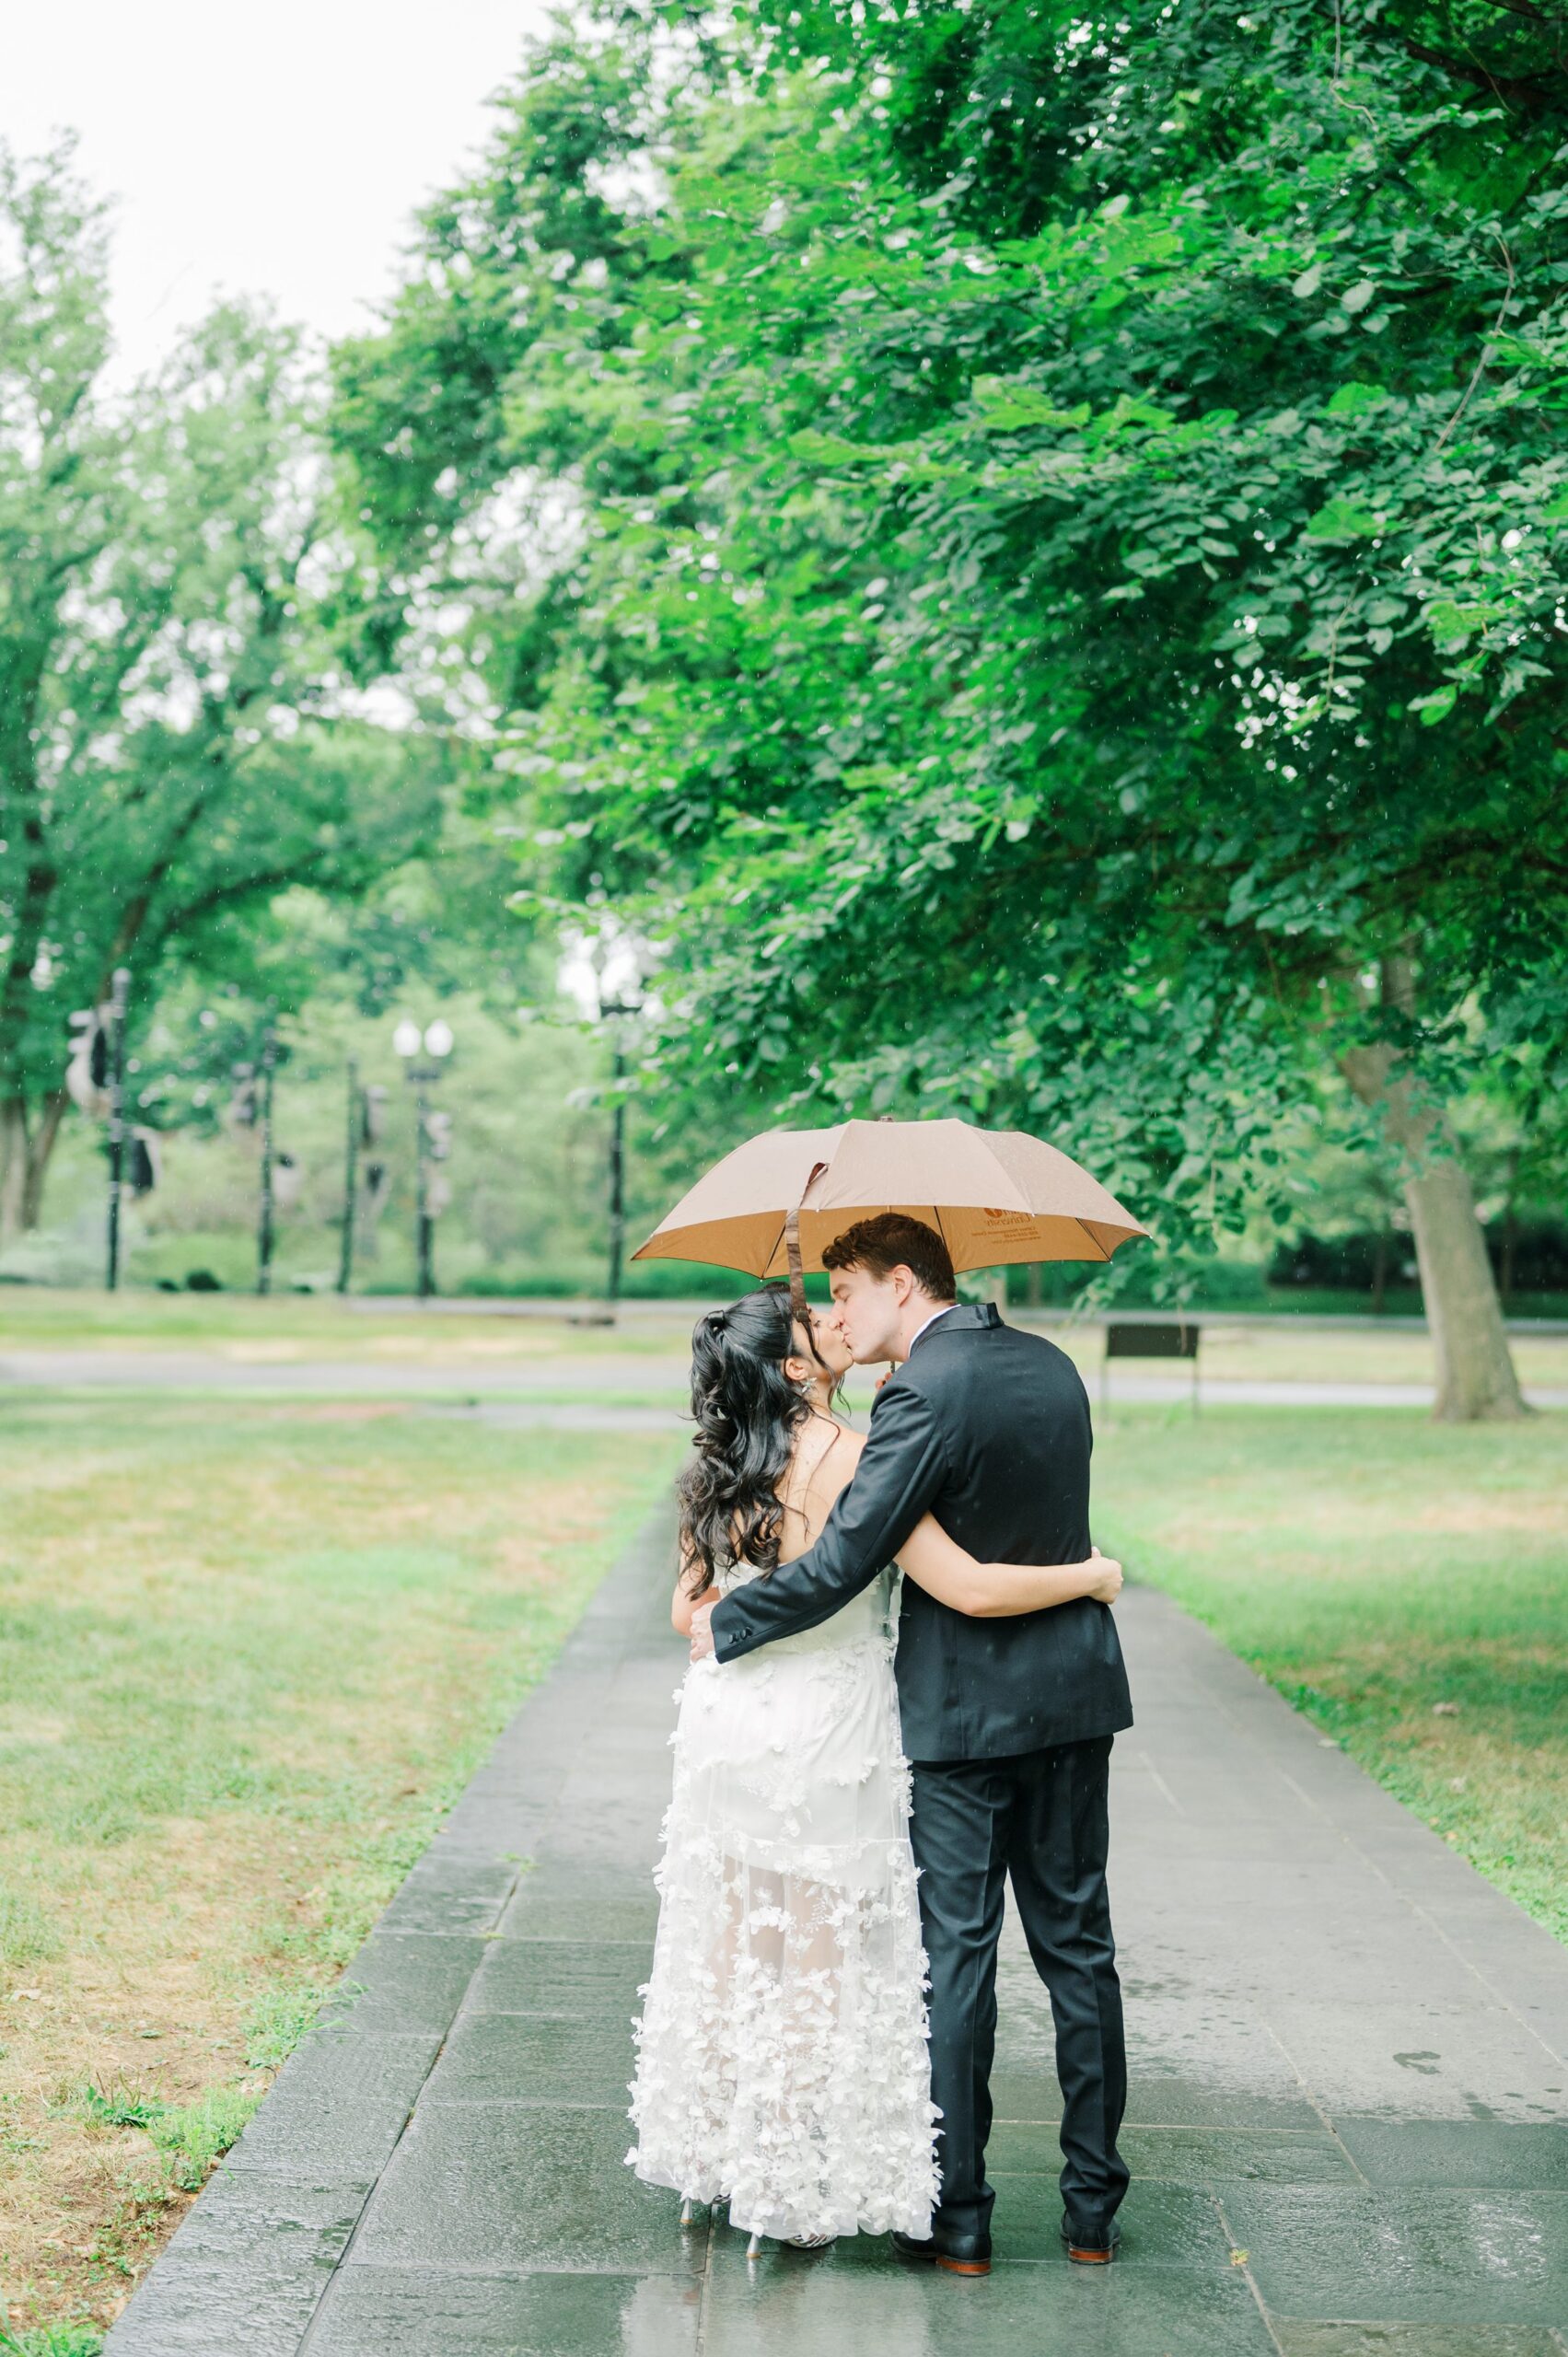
(372, 2311)
(1348, 2123)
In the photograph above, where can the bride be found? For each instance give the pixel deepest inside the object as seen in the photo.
(781, 2049)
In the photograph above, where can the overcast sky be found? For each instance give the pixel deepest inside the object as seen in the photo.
(279, 149)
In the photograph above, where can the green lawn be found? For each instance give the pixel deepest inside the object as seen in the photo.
(247, 1653)
(284, 1326)
(1405, 1583)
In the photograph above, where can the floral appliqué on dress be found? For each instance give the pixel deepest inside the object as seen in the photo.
(783, 2064)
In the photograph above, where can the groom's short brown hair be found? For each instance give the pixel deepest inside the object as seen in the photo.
(890, 1241)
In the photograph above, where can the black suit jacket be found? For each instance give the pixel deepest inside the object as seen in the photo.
(988, 1429)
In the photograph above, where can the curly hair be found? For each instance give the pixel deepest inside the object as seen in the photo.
(748, 1412)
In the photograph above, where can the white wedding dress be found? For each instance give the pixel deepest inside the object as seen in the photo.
(781, 2050)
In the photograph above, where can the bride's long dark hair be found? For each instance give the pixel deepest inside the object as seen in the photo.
(748, 1412)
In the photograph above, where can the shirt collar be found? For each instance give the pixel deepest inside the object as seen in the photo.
(929, 1323)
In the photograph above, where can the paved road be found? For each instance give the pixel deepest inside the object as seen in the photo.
(559, 1378)
(1349, 2114)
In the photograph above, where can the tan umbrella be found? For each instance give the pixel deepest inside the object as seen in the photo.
(996, 1196)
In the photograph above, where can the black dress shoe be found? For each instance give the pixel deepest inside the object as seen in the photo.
(1090, 2249)
(954, 2254)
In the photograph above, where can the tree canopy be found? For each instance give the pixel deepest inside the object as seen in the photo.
(1025, 547)
(177, 741)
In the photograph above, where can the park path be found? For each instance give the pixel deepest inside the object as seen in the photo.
(1348, 2125)
(596, 1386)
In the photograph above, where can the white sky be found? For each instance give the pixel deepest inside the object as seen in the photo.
(278, 150)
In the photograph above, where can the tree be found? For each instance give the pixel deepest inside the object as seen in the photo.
(176, 742)
(1054, 606)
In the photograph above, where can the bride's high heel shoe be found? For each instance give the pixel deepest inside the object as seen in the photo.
(686, 2211)
(754, 2247)
(809, 2241)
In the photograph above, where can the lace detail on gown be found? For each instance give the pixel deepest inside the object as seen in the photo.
(782, 2049)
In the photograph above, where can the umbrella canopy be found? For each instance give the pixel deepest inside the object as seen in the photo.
(996, 1197)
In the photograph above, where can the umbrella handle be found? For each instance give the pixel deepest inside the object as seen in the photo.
(798, 1305)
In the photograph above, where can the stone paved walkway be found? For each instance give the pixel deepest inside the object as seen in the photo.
(1348, 2124)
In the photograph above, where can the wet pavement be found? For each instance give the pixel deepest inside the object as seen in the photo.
(1348, 2122)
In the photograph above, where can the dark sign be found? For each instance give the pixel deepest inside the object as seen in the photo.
(1153, 1340)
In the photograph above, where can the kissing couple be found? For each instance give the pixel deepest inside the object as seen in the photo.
(862, 1760)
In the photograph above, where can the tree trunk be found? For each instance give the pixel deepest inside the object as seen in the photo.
(41, 1147)
(12, 1165)
(1475, 1372)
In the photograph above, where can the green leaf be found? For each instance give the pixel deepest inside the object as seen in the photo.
(1010, 407)
(1355, 400)
(1309, 281)
(830, 449)
(1450, 621)
(1356, 298)
(1436, 706)
(1341, 519)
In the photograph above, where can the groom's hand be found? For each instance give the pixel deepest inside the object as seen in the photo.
(701, 1632)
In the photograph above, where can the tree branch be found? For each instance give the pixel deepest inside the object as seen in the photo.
(1485, 349)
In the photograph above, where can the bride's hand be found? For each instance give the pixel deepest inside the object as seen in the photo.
(702, 1635)
(1107, 1583)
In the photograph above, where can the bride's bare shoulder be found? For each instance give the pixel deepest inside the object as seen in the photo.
(838, 1447)
(822, 1460)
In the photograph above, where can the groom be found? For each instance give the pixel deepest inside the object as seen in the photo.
(1009, 1722)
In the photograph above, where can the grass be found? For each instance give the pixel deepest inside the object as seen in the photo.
(248, 1651)
(53, 2340)
(1404, 1584)
(285, 1327)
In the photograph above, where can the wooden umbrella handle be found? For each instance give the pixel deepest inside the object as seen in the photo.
(800, 1306)
(798, 1301)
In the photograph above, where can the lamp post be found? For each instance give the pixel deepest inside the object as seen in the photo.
(264, 1213)
(436, 1043)
(617, 1011)
(119, 1007)
(351, 1176)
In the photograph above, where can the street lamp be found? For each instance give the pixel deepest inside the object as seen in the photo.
(120, 1007)
(621, 1011)
(432, 1132)
(264, 1238)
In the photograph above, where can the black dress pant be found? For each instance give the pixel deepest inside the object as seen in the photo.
(1041, 1817)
